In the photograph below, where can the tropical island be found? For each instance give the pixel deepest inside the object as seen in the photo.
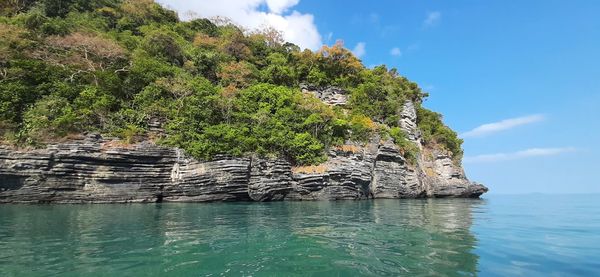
(109, 101)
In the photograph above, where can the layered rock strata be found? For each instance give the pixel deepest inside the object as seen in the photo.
(98, 170)
(94, 170)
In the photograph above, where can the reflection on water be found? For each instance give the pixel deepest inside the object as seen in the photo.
(502, 236)
(383, 237)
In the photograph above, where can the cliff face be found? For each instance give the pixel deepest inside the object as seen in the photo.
(96, 170)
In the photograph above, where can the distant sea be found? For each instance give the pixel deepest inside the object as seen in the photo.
(499, 235)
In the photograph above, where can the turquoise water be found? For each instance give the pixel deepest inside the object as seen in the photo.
(533, 235)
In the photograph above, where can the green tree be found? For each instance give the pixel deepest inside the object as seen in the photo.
(278, 72)
(94, 107)
(409, 149)
(131, 68)
(163, 45)
(51, 117)
(361, 127)
(435, 132)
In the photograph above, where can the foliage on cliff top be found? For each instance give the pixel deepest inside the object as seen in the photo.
(435, 132)
(131, 68)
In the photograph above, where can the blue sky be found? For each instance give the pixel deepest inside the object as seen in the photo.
(531, 68)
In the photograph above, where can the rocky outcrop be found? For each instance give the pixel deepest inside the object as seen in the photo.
(346, 175)
(189, 180)
(439, 175)
(270, 180)
(443, 178)
(392, 177)
(98, 170)
(83, 172)
(408, 122)
(329, 95)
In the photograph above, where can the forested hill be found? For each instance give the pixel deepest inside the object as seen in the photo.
(133, 70)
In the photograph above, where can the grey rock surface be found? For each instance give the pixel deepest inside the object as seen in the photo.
(270, 179)
(99, 170)
(408, 122)
(329, 95)
(346, 175)
(443, 178)
(437, 173)
(393, 177)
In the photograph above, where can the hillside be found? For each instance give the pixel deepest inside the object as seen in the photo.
(133, 70)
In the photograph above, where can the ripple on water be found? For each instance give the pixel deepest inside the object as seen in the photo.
(443, 237)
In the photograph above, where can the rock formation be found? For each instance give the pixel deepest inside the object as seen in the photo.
(99, 170)
(96, 171)
(329, 95)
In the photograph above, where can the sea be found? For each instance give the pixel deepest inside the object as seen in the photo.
(498, 235)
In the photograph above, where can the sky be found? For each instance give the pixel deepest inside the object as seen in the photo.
(518, 80)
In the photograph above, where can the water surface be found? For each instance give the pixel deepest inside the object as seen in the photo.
(499, 236)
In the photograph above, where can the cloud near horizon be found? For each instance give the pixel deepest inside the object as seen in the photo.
(532, 152)
(503, 125)
(298, 28)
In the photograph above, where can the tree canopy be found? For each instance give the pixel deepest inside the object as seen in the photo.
(132, 69)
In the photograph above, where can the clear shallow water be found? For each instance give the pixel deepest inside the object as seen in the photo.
(500, 236)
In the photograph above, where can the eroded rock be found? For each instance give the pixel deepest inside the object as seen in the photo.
(330, 95)
(98, 170)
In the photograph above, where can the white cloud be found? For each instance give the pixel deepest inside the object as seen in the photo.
(279, 6)
(360, 49)
(432, 18)
(396, 52)
(506, 124)
(532, 152)
(298, 28)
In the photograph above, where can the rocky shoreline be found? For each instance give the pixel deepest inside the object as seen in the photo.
(101, 170)
(93, 170)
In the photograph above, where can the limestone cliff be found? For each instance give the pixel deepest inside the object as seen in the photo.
(95, 170)
(98, 170)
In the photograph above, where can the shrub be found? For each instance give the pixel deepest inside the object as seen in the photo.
(94, 107)
(51, 117)
(361, 127)
(409, 149)
(436, 132)
(163, 46)
(130, 66)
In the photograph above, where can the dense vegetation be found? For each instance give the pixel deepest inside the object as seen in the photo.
(130, 68)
